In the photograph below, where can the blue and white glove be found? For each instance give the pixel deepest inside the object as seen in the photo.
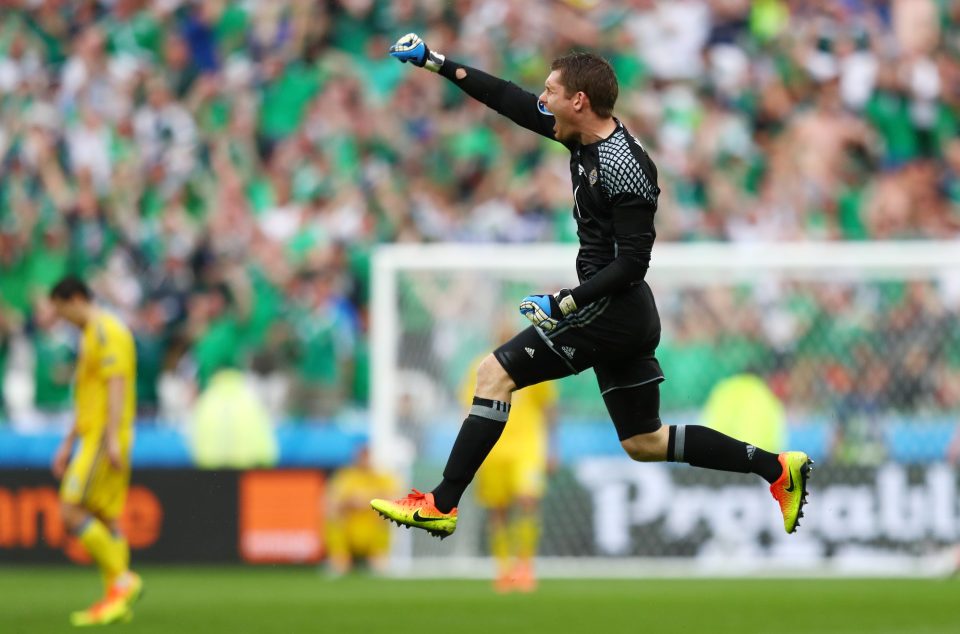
(546, 311)
(410, 48)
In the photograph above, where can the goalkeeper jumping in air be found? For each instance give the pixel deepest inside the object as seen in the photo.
(609, 322)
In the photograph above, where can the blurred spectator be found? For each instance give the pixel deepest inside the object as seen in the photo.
(354, 532)
(150, 337)
(744, 407)
(166, 132)
(324, 329)
(54, 360)
(215, 331)
(6, 328)
(231, 428)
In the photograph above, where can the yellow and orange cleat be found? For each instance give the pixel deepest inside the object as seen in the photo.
(116, 606)
(524, 579)
(790, 489)
(104, 612)
(418, 510)
(128, 588)
(503, 582)
(517, 578)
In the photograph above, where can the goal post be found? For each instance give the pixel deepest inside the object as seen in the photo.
(859, 342)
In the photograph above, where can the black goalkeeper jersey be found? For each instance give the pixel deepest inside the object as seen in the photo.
(614, 188)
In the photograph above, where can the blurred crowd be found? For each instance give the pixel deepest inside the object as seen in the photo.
(854, 353)
(221, 171)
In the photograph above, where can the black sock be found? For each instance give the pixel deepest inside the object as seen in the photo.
(478, 435)
(704, 447)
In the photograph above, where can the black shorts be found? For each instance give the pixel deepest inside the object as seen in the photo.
(617, 336)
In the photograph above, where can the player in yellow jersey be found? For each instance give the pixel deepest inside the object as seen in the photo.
(511, 483)
(353, 529)
(93, 462)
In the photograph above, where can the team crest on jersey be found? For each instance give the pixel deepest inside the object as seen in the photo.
(542, 107)
(593, 176)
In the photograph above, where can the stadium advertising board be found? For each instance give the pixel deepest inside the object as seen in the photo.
(281, 516)
(856, 513)
(176, 515)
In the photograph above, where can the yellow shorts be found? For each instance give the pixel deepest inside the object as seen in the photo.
(93, 483)
(500, 482)
(358, 538)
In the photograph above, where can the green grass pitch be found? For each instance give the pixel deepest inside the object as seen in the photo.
(263, 600)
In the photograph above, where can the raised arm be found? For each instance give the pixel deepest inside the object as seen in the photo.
(515, 103)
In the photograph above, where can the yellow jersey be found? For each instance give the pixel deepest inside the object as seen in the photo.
(357, 530)
(354, 487)
(106, 350)
(354, 483)
(526, 432)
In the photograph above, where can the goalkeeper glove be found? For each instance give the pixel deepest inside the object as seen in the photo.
(410, 48)
(546, 311)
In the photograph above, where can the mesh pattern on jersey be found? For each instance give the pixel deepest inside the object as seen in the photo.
(619, 171)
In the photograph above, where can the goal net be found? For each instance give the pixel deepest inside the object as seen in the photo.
(850, 352)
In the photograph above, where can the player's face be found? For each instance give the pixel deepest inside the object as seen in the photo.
(561, 105)
(69, 309)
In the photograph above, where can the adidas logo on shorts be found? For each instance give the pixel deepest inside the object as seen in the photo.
(567, 350)
(530, 351)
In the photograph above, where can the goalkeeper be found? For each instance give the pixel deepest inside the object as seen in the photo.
(609, 322)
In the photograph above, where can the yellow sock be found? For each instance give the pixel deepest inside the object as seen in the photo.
(500, 545)
(109, 576)
(123, 549)
(526, 531)
(99, 542)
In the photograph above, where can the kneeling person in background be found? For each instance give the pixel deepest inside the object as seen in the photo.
(354, 532)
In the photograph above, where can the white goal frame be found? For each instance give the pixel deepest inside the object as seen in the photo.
(689, 263)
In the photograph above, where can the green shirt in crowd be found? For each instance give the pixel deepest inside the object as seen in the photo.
(150, 352)
(325, 341)
(221, 346)
(53, 370)
(285, 100)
